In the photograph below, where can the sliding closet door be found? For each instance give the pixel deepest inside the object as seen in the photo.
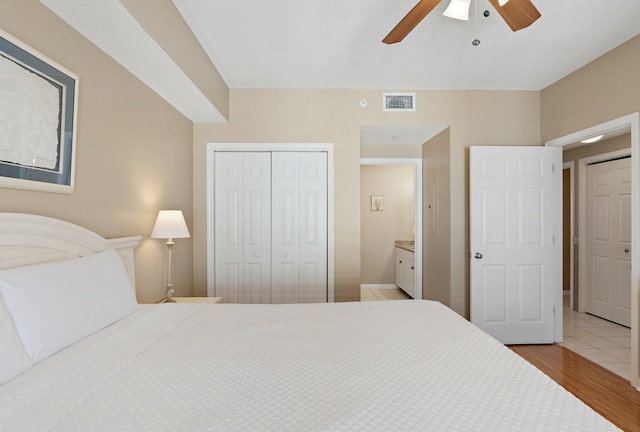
(242, 224)
(299, 230)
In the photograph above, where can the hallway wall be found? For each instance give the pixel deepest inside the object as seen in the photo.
(380, 229)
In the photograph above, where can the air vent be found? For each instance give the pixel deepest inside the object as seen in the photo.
(399, 102)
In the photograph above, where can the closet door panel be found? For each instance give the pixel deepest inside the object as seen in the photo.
(285, 204)
(257, 227)
(229, 233)
(243, 227)
(286, 290)
(309, 290)
(313, 227)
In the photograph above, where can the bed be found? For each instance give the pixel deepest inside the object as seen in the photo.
(78, 360)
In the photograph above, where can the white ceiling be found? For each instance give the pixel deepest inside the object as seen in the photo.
(337, 43)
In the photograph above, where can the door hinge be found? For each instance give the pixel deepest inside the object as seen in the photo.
(553, 239)
(553, 168)
(554, 310)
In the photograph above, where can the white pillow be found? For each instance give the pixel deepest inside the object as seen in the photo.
(13, 357)
(56, 304)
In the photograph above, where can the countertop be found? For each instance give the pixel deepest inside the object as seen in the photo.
(408, 245)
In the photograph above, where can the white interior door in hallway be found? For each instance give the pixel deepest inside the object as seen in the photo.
(609, 240)
(270, 222)
(515, 244)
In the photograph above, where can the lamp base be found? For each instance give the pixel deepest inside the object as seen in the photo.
(168, 301)
(168, 294)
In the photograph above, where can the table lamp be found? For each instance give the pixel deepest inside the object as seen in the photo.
(170, 224)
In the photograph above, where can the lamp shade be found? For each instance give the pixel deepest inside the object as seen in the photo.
(458, 9)
(170, 224)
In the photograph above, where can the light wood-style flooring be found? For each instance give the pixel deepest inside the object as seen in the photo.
(604, 391)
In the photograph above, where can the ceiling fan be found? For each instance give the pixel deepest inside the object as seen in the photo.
(518, 14)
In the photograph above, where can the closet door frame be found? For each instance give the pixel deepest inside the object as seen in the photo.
(212, 148)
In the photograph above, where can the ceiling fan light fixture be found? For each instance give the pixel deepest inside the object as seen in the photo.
(458, 9)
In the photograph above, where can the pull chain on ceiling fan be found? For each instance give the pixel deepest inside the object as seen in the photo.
(518, 14)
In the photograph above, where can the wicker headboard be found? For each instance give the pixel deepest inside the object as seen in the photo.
(30, 239)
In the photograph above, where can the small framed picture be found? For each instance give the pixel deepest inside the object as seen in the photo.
(377, 202)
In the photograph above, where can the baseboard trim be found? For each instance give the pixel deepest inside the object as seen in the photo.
(378, 286)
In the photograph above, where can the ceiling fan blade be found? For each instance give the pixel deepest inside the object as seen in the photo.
(518, 14)
(410, 20)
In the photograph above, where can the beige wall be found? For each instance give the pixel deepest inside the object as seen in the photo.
(133, 150)
(436, 214)
(335, 116)
(380, 229)
(134, 154)
(601, 91)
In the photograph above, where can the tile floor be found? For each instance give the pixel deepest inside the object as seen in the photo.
(601, 341)
(598, 340)
(382, 294)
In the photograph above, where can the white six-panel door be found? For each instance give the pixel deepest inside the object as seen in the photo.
(609, 240)
(513, 241)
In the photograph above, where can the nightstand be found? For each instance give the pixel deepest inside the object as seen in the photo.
(198, 299)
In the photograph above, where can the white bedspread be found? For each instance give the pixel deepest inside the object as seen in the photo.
(387, 366)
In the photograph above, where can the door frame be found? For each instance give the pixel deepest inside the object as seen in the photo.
(631, 122)
(417, 204)
(572, 206)
(212, 148)
(582, 215)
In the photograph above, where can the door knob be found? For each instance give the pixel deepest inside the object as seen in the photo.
(626, 250)
(478, 255)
